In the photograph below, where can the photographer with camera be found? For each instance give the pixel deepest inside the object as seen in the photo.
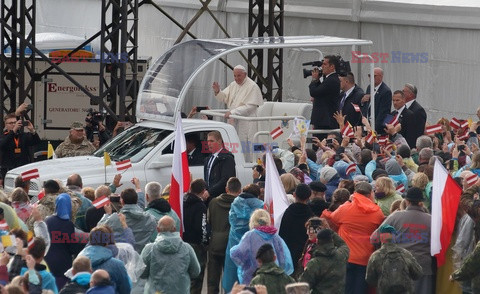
(324, 90)
(15, 143)
(95, 130)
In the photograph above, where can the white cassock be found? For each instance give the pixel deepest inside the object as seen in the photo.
(242, 100)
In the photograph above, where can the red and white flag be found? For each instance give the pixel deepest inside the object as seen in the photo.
(347, 131)
(445, 199)
(464, 124)
(356, 107)
(389, 146)
(394, 121)
(370, 137)
(455, 123)
(276, 132)
(124, 164)
(472, 179)
(383, 140)
(4, 225)
(464, 136)
(401, 189)
(433, 129)
(351, 169)
(180, 182)
(30, 174)
(101, 202)
(276, 201)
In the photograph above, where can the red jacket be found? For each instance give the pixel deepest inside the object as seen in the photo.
(356, 221)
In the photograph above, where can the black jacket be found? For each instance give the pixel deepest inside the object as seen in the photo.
(383, 104)
(223, 168)
(195, 220)
(12, 159)
(93, 216)
(197, 157)
(355, 97)
(409, 123)
(292, 229)
(325, 102)
(73, 288)
(418, 129)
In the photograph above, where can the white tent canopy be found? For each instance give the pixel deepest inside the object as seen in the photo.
(446, 32)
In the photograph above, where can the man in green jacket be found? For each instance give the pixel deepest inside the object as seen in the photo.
(269, 273)
(326, 271)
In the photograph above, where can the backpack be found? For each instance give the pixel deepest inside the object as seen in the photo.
(394, 275)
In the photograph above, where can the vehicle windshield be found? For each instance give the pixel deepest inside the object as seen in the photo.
(133, 143)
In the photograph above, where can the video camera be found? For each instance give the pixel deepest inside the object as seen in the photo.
(94, 118)
(342, 69)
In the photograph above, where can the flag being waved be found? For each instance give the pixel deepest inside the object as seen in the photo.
(430, 130)
(180, 181)
(445, 199)
(347, 131)
(101, 202)
(276, 132)
(276, 200)
(124, 164)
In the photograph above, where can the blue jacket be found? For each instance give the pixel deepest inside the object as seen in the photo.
(239, 217)
(332, 185)
(48, 280)
(101, 290)
(102, 258)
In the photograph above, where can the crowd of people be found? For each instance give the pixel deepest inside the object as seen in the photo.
(358, 216)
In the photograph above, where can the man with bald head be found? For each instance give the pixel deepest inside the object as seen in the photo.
(100, 283)
(170, 262)
(242, 97)
(383, 100)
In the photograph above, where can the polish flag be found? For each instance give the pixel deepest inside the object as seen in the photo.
(445, 199)
(356, 107)
(472, 179)
(4, 225)
(101, 202)
(180, 182)
(276, 132)
(124, 164)
(30, 174)
(430, 130)
(351, 169)
(394, 121)
(401, 189)
(347, 131)
(455, 123)
(370, 137)
(276, 200)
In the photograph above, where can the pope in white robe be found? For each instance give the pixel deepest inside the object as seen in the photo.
(242, 97)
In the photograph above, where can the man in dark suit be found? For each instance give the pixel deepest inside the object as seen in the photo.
(218, 167)
(405, 116)
(194, 150)
(324, 93)
(419, 114)
(383, 100)
(351, 94)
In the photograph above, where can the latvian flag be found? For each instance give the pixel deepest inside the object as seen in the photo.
(370, 137)
(383, 140)
(394, 121)
(401, 189)
(430, 130)
(124, 164)
(389, 146)
(276, 132)
(4, 225)
(356, 107)
(347, 131)
(464, 136)
(351, 168)
(456, 123)
(101, 202)
(472, 179)
(30, 174)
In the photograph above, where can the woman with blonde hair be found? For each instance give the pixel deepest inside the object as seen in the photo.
(421, 181)
(385, 194)
(261, 232)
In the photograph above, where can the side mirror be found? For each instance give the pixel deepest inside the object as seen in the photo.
(162, 161)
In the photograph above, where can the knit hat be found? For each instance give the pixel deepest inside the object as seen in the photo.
(379, 173)
(387, 229)
(414, 194)
(327, 173)
(360, 178)
(392, 167)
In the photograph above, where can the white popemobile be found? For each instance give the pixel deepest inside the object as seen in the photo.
(148, 144)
